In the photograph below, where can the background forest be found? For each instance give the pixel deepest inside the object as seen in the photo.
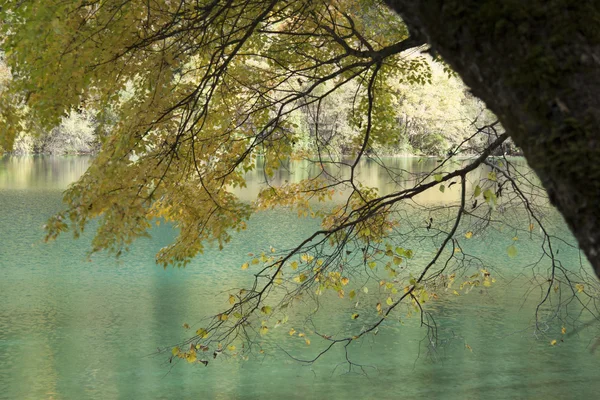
(431, 118)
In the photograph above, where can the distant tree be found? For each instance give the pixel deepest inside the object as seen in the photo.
(199, 93)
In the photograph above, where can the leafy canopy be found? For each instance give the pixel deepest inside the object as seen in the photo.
(198, 90)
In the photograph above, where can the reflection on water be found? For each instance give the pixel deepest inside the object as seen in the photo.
(41, 172)
(388, 175)
(72, 329)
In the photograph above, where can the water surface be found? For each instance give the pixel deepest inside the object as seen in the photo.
(74, 329)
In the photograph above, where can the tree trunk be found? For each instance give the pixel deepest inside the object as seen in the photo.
(536, 64)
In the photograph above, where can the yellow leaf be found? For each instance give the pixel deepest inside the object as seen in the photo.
(223, 317)
(231, 348)
(264, 330)
(469, 235)
(378, 307)
(352, 294)
(203, 333)
(456, 293)
(366, 289)
(245, 266)
(345, 281)
(354, 316)
(563, 330)
(292, 331)
(579, 287)
(175, 351)
(231, 299)
(469, 347)
(255, 261)
(301, 335)
(389, 301)
(191, 356)
(307, 341)
(530, 227)
(294, 265)
(552, 343)
(186, 326)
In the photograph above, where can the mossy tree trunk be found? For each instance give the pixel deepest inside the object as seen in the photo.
(536, 64)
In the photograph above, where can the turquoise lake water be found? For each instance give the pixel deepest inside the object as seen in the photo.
(74, 329)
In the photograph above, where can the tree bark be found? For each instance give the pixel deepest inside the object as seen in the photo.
(536, 64)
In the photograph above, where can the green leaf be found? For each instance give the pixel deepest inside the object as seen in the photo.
(511, 251)
(477, 191)
(442, 188)
(300, 278)
(490, 197)
(438, 177)
(266, 310)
